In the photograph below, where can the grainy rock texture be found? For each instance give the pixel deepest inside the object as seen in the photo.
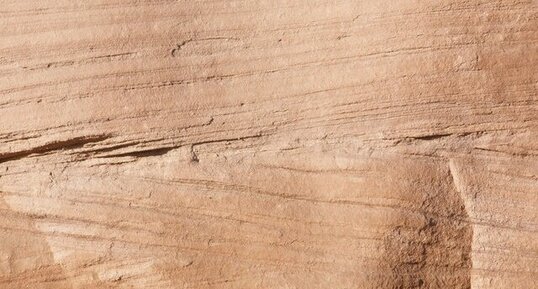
(268, 144)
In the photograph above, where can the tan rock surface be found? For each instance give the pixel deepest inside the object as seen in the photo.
(268, 144)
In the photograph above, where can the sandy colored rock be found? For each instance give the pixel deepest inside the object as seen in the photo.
(268, 144)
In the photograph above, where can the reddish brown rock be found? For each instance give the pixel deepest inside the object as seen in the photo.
(268, 144)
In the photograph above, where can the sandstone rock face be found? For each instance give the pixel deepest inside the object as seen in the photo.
(268, 144)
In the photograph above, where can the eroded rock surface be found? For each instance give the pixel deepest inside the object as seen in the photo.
(268, 144)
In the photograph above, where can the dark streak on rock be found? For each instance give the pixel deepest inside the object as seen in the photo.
(73, 143)
(143, 153)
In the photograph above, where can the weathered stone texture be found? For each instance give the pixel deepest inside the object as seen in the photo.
(268, 144)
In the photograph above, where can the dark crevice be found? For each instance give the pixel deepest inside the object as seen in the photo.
(178, 47)
(111, 148)
(228, 139)
(143, 153)
(54, 146)
(432, 136)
